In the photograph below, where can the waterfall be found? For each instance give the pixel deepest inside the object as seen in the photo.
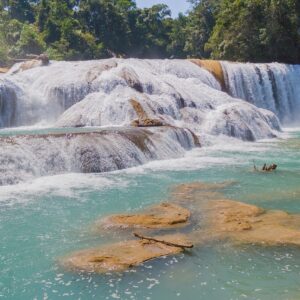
(271, 86)
(30, 156)
(177, 92)
(183, 97)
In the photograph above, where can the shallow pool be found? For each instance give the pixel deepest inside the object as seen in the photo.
(50, 217)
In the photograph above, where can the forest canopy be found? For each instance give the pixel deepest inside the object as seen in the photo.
(239, 30)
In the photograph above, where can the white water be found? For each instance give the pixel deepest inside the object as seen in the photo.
(100, 93)
(271, 86)
(30, 156)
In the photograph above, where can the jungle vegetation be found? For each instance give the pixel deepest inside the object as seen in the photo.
(238, 30)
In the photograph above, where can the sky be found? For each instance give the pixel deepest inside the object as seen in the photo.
(176, 6)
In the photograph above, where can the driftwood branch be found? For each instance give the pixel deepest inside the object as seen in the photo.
(162, 241)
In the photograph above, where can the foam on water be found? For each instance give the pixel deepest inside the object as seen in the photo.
(68, 185)
(24, 157)
(218, 153)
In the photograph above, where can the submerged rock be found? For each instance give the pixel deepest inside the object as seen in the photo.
(227, 220)
(215, 218)
(164, 215)
(122, 256)
(244, 223)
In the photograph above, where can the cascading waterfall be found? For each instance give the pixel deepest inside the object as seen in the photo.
(8, 101)
(29, 156)
(271, 86)
(181, 95)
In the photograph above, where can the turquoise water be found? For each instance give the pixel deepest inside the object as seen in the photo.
(50, 217)
(32, 130)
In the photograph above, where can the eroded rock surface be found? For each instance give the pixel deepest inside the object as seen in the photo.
(213, 218)
(122, 256)
(147, 123)
(3, 70)
(237, 222)
(164, 215)
(214, 67)
(244, 223)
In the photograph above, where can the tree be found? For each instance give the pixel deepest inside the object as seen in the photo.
(107, 21)
(241, 30)
(21, 10)
(201, 22)
(282, 31)
(29, 42)
(274, 28)
(178, 37)
(149, 33)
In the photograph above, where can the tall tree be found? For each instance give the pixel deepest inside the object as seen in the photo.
(200, 26)
(22, 10)
(256, 30)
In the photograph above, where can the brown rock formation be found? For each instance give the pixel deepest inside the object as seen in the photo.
(244, 223)
(139, 110)
(196, 192)
(214, 218)
(147, 123)
(143, 119)
(37, 61)
(164, 215)
(4, 70)
(214, 67)
(122, 256)
(238, 222)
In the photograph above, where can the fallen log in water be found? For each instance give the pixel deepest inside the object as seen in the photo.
(152, 239)
(121, 256)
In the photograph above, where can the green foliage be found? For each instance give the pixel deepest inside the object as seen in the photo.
(30, 42)
(178, 37)
(242, 30)
(257, 30)
(200, 26)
